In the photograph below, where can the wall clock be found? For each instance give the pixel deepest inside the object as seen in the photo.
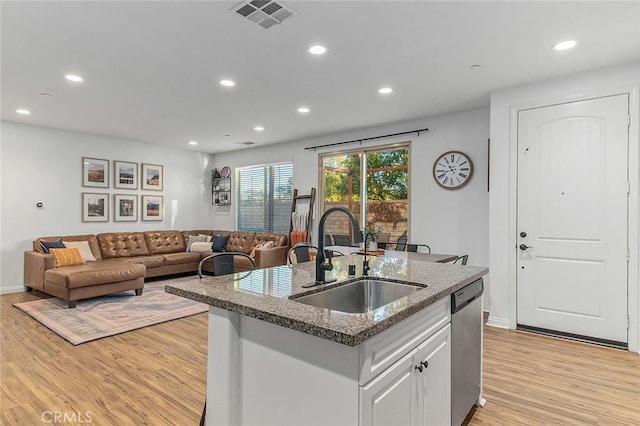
(453, 170)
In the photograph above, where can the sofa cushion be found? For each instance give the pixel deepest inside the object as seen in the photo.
(93, 273)
(196, 239)
(240, 241)
(46, 246)
(220, 242)
(201, 247)
(83, 248)
(185, 234)
(180, 258)
(90, 238)
(160, 242)
(148, 261)
(122, 244)
(67, 256)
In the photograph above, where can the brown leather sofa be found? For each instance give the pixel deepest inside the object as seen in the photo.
(125, 259)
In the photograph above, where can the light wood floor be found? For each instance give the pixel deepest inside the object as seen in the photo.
(156, 376)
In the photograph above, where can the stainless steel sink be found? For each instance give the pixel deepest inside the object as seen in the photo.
(359, 296)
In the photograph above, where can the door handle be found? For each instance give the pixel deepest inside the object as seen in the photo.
(524, 247)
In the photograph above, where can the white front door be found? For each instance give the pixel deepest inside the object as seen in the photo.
(572, 217)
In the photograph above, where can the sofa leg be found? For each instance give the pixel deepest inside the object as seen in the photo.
(29, 289)
(139, 292)
(72, 304)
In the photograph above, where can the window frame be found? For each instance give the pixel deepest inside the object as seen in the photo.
(363, 177)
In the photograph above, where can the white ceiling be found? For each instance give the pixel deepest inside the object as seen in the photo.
(151, 69)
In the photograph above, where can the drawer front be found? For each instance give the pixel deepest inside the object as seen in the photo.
(382, 350)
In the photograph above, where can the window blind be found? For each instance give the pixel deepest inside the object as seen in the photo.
(264, 194)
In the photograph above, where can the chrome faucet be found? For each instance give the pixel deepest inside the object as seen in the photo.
(321, 265)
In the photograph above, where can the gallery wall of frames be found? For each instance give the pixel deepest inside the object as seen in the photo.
(131, 203)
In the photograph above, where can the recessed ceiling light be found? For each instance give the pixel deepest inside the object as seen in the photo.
(228, 83)
(258, 128)
(46, 95)
(193, 143)
(23, 111)
(317, 50)
(565, 45)
(385, 90)
(304, 110)
(74, 77)
(475, 67)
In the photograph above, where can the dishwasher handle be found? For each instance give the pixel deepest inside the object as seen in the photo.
(466, 295)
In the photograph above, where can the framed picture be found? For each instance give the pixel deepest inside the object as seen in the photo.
(95, 207)
(152, 177)
(125, 208)
(125, 175)
(152, 207)
(95, 172)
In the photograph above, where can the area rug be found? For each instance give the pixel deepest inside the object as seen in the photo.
(110, 315)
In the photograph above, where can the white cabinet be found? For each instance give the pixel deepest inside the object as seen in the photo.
(262, 374)
(415, 391)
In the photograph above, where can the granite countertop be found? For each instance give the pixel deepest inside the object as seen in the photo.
(264, 294)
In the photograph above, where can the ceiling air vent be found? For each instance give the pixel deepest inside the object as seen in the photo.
(245, 143)
(265, 13)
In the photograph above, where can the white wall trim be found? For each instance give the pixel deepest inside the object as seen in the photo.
(633, 230)
(12, 289)
(633, 241)
(498, 322)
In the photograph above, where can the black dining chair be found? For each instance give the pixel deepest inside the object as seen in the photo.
(414, 248)
(399, 245)
(223, 263)
(341, 240)
(301, 252)
(461, 260)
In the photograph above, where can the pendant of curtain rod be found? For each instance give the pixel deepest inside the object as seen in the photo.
(367, 139)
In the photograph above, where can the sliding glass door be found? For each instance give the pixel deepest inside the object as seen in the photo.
(378, 194)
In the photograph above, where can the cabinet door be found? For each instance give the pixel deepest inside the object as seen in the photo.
(390, 399)
(434, 382)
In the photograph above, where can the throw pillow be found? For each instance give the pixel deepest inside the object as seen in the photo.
(83, 247)
(46, 245)
(209, 237)
(201, 247)
(195, 239)
(268, 245)
(67, 256)
(219, 243)
(253, 251)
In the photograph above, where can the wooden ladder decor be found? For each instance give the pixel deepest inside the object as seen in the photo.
(298, 236)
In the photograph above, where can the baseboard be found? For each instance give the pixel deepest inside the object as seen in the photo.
(12, 289)
(498, 322)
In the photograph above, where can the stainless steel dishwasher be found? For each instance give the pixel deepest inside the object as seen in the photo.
(466, 350)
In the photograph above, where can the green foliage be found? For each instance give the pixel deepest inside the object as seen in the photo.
(381, 184)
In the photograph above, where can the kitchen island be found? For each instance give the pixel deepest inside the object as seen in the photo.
(276, 361)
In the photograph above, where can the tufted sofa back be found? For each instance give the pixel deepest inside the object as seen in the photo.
(239, 241)
(160, 242)
(278, 239)
(122, 244)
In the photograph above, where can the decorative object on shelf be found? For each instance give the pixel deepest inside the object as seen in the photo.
(95, 172)
(221, 187)
(95, 207)
(152, 177)
(125, 175)
(125, 208)
(453, 170)
(152, 207)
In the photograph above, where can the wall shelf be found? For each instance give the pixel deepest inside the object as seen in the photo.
(220, 189)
